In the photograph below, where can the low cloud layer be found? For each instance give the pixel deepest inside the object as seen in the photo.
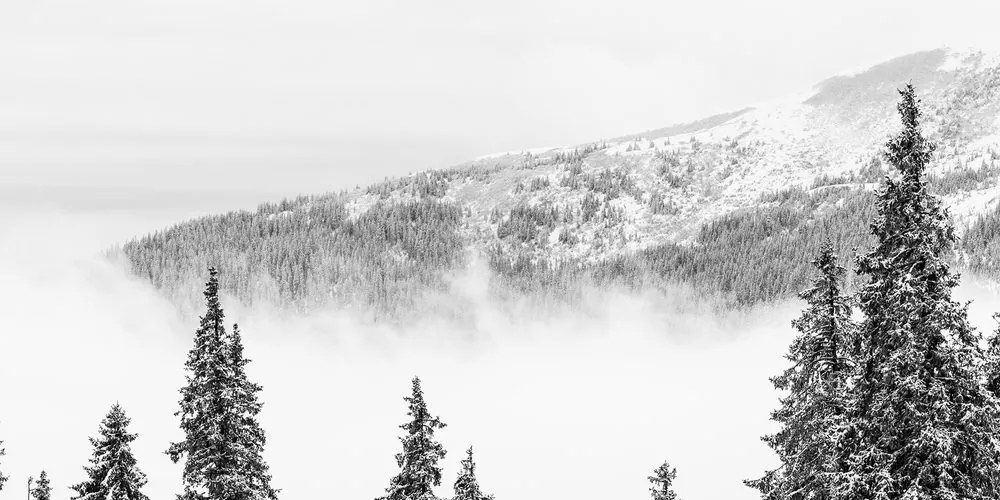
(560, 407)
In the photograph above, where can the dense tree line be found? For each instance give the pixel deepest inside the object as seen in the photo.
(743, 258)
(747, 257)
(980, 245)
(525, 223)
(967, 178)
(309, 253)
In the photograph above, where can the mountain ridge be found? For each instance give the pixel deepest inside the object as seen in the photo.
(732, 204)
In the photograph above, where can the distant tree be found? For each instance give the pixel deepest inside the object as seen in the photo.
(467, 486)
(3, 478)
(42, 489)
(113, 473)
(812, 413)
(922, 424)
(223, 440)
(663, 482)
(419, 472)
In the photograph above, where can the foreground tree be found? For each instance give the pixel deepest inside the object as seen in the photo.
(663, 482)
(467, 486)
(42, 489)
(921, 424)
(113, 473)
(419, 472)
(223, 441)
(992, 367)
(812, 413)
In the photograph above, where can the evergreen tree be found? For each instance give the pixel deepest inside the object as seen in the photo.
(466, 486)
(812, 413)
(663, 482)
(223, 440)
(921, 424)
(3, 478)
(113, 473)
(253, 480)
(419, 472)
(992, 367)
(42, 489)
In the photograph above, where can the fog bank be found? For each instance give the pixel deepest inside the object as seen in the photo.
(561, 407)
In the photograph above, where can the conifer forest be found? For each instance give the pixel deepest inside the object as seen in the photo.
(888, 391)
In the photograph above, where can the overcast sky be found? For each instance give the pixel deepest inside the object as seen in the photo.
(268, 98)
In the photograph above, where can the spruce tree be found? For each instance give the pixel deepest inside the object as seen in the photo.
(467, 486)
(253, 480)
(921, 424)
(419, 472)
(42, 489)
(113, 473)
(663, 482)
(218, 409)
(812, 413)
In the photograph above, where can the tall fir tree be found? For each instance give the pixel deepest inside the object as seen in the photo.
(922, 424)
(113, 473)
(467, 486)
(812, 414)
(662, 482)
(42, 489)
(223, 441)
(419, 472)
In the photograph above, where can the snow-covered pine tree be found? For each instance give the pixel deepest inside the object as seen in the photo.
(991, 369)
(3, 478)
(467, 486)
(419, 472)
(922, 424)
(42, 489)
(248, 439)
(812, 413)
(223, 441)
(663, 482)
(113, 473)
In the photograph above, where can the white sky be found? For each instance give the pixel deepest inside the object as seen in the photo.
(272, 98)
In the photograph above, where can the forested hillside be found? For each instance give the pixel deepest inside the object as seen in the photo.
(309, 252)
(731, 207)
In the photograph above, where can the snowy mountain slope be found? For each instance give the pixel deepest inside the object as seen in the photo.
(774, 169)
